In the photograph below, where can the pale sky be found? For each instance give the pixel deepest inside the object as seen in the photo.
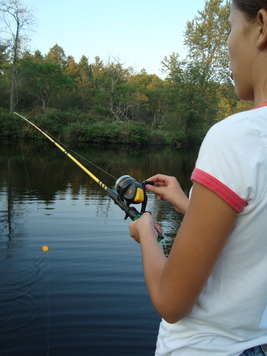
(138, 33)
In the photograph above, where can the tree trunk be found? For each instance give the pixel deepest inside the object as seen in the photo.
(13, 96)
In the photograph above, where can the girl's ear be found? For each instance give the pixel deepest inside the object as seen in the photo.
(262, 34)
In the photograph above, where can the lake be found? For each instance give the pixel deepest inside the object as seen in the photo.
(86, 295)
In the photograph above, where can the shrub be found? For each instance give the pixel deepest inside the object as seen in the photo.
(10, 125)
(76, 132)
(158, 137)
(135, 133)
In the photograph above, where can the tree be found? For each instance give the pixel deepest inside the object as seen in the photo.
(97, 71)
(42, 79)
(85, 76)
(109, 84)
(85, 70)
(3, 56)
(73, 96)
(147, 95)
(206, 38)
(172, 66)
(191, 103)
(72, 68)
(3, 76)
(193, 85)
(16, 19)
(56, 55)
(116, 77)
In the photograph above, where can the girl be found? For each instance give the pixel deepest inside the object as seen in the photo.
(211, 291)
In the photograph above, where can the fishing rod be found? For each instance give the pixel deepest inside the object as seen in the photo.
(127, 190)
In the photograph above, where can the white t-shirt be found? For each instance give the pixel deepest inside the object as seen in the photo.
(231, 313)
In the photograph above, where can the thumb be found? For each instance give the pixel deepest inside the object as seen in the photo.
(153, 189)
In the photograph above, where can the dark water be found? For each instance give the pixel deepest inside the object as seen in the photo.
(86, 296)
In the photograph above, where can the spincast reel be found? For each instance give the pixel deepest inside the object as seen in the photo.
(131, 191)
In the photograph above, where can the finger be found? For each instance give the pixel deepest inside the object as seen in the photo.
(157, 178)
(159, 184)
(160, 197)
(145, 212)
(147, 215)
(157, 228)
(153, 189)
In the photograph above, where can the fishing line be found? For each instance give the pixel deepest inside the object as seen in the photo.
(48, 308)
(127, 190)
(46, 250)
(93, 164)
(24, 160)
(76, 153)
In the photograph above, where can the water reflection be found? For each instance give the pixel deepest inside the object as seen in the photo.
(93, 282)
(18, 307)
(43, 172)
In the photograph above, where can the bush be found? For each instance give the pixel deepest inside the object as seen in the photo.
(191, 138)
(101, 133)
(74, 127)
(76, 132)
(100, 112)
(135, 133)
(97, 133)
(158, 137)
(10, 125)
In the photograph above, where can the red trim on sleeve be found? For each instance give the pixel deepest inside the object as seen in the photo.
(229, 196)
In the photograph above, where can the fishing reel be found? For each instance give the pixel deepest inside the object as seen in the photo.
(131, 191)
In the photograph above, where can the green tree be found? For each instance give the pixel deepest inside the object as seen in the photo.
(38, 55)
(16, 19)
(193, 85)
(72, 69)
(74, 97)
(146, 98)
(188, 112)
(43, 79)
(84, 83)
(116, 78)
(4, 83)
(3, 57)
(109, 82)
(99, 83)
(56, 55)
(206, 38)
(172, 66)
(85, 70)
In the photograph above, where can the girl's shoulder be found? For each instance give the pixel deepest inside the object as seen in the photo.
(243, 126)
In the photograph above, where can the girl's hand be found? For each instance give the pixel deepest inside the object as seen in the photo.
(144, 226)
(167, 188)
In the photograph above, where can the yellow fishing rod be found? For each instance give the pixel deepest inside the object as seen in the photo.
(128, 190)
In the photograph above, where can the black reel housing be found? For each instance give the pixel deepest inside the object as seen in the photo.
(131, 191)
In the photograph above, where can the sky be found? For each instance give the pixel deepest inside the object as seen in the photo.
(136, 33)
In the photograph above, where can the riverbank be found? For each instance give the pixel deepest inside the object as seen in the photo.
(77, 127)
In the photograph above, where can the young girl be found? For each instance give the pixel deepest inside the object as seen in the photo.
(211, 291)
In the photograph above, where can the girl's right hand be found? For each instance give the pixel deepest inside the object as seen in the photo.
(167, 188)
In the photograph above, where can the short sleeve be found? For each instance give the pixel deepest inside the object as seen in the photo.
(226, 160)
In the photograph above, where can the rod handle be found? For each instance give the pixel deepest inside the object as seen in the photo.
(134, 215)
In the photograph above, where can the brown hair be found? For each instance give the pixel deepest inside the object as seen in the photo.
(250, 7)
